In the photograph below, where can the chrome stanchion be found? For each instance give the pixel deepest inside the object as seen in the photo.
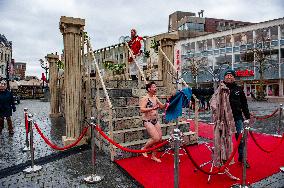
(27, 147)
(280, 119)
(33, 167)
(177, 139)
(93, 178)
(244, 166)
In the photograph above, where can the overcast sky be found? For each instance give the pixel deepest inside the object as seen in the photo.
(33, 25)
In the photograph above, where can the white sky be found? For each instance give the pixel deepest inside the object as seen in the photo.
(33, 25)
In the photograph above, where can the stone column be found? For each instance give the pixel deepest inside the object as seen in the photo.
(167, 42)
(53, 79)
(71, 29)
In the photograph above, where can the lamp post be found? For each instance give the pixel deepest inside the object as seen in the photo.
(44, 65)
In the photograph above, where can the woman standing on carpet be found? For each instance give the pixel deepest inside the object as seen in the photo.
(149, 105)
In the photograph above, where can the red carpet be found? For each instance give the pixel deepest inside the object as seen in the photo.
(151, 174)
(205, 130)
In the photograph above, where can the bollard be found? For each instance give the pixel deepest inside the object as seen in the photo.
(32, 168)
(93, 178)
(244, 174)
(280, 118)
(176, 136)
(244, 166)
(27, 147)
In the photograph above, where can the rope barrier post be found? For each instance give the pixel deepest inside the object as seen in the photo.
(26, 148)
(32, 168)
(244, 166)
(177, 139)
(280, 118)
(93, 178)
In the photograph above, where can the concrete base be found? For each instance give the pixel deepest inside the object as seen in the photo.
(52, 115)
(68, 140)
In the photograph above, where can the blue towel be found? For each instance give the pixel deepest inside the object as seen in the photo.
(178, 101)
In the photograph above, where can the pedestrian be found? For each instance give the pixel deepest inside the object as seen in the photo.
(149, 106)
(237, 106)
(135, 45)
(7, 105)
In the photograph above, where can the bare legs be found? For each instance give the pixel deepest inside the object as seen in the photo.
(155, 133)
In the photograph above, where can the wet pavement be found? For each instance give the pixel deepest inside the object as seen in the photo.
(67, 169)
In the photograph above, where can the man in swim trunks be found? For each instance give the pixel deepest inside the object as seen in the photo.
(148, 107)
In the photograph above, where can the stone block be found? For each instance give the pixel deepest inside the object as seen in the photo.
(133, 136)
(127, 84)
(132, 101)
(126, 112)
(119, 137)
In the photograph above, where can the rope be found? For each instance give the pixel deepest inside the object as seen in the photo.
(127, 149)
(53, 146)
(265, 116)
(26, 123)
(261, 148)
(222, 168)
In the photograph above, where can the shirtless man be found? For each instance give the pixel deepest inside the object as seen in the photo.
(148, 107)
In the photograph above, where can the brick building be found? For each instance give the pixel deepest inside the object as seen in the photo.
(19, 70)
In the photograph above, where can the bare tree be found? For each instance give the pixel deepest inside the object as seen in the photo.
(260, 54)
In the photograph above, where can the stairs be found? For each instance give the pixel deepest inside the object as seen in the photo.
(128, 129)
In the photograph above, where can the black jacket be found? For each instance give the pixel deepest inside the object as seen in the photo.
(238, 102)
(6, 104)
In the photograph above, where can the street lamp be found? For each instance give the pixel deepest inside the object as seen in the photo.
(44, 65)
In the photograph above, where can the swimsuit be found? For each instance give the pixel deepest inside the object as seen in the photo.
(153, 121)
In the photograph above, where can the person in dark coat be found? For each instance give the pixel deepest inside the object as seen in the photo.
(239, 105)
(7, 105)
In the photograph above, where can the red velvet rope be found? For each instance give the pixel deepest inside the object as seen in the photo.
(127, 149)
(26, 123)
(222, 168)
(265, 116)
(261, 148)
(53, 146)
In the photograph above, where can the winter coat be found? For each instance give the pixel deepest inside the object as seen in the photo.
(6, 104)
(238, 102)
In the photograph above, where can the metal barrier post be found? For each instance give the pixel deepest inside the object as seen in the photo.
(32, 168)
(244, 173)
(176, 136)
(93, 178)
(27, 147)
(280, 119)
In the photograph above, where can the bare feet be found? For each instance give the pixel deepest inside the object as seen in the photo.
(144, 154)
(156, 159)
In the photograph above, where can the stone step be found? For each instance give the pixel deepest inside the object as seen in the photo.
(121, 101)
(188, 138)
(128, 84)
(132, 134)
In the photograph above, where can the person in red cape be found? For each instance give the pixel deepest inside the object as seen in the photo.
(135, 45)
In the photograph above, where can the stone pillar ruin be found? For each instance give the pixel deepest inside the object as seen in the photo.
(167, 42)
(72, 31)
(53, 80)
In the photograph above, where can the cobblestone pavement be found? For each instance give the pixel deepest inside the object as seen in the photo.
(69, 169)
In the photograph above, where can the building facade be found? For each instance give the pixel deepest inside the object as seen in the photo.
(19, 71)
(249, 50)
(5, 55)
(188, 21)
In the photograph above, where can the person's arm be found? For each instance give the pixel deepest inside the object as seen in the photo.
(244, 104)
(143, 103)
(161, 105)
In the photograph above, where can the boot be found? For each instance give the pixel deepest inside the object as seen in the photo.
(10, 126)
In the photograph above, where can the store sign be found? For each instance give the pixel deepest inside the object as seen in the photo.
(244, 73)
(178, 60)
